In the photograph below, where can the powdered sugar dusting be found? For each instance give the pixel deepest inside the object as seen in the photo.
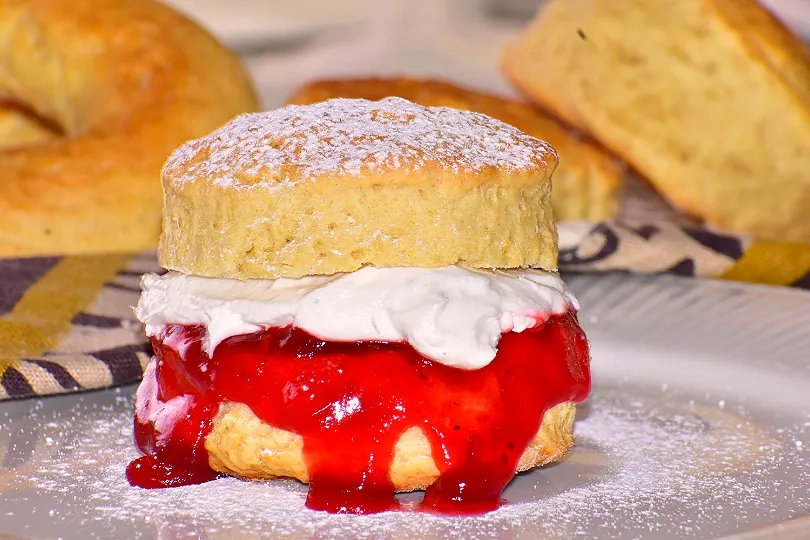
(647, 464)
(351, 137)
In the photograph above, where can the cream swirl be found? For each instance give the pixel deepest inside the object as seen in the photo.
(453, 315)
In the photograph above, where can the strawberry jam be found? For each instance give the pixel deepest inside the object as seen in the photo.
(351, 402)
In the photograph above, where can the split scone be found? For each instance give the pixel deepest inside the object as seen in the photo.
(588, 180)
(361, 295)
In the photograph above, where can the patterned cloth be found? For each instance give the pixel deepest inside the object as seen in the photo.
(67, 324)
(682, 250)
(651, 237)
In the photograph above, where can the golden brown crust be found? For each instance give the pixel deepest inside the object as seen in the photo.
(97, 188)
(587, 180)
(334, 186)
(242, 445)
(709, 99)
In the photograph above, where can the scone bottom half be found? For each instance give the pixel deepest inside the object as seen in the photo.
(328, 189)
(358, 421)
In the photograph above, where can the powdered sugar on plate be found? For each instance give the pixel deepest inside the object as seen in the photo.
(646, 463)
(346, 137)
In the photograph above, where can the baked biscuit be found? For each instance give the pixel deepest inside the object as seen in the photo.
(332, 187)
(369, 337)
(707, 99)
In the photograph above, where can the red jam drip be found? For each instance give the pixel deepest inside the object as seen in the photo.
(350, 402)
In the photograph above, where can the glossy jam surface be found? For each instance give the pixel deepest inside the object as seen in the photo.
(351, 402)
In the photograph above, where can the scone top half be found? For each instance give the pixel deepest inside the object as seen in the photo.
(347, 183)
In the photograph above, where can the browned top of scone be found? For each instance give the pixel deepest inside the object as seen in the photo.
(360, 139)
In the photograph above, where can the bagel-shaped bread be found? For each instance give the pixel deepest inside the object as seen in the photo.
(125, 82)
(337, 185)
(241, 444)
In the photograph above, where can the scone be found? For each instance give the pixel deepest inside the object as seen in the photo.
(588, 180)
(361, 295)
(708, 99)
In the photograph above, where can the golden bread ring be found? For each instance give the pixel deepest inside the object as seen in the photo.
(125, 82)
(241, 444)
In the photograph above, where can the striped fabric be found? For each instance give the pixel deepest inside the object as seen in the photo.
(652, 237)
(682, 250)
(66, 323)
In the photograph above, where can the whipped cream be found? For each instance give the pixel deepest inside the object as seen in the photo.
(452, 315)
(149, 409)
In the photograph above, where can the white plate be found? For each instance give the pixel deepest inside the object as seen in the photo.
(698, 427)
